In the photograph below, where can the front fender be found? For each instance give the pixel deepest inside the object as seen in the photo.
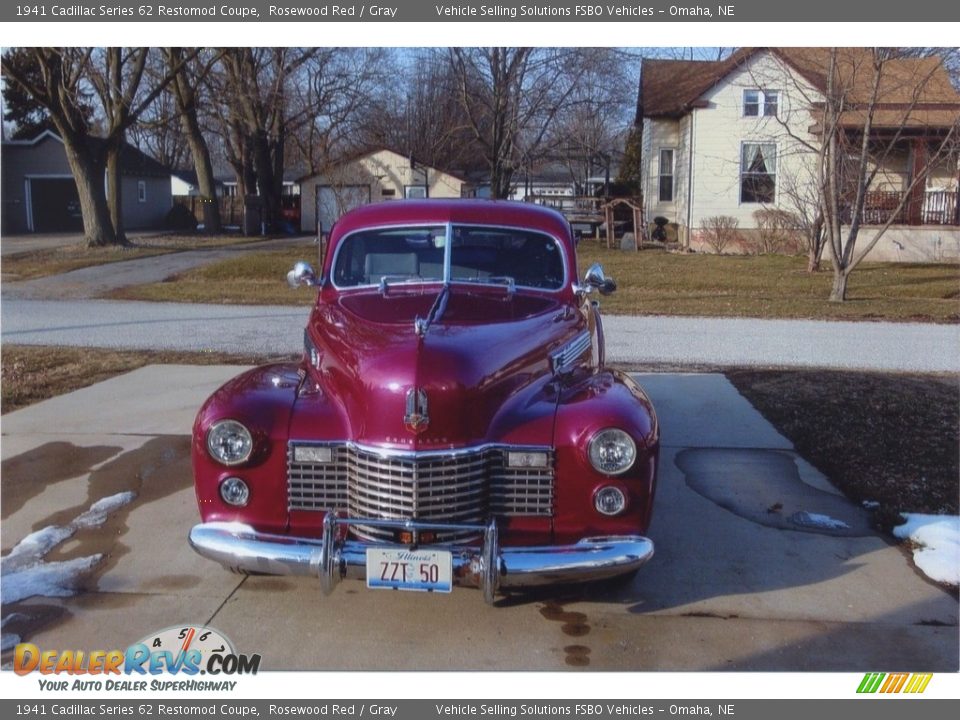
(262, 399)
(588, 403)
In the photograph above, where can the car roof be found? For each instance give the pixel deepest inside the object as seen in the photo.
(506, 213)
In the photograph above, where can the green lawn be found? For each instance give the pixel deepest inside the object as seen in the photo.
(650, 282)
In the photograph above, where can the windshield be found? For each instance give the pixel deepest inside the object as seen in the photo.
(479, 254)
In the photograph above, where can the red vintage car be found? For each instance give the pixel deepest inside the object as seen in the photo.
(451, 422)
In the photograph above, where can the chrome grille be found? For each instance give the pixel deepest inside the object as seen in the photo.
(317, 486)
(463, 487)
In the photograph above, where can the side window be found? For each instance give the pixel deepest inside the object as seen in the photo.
(760, 103)
(758, 173)
(665, 182)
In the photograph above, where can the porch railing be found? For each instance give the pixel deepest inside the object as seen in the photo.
(932, 207)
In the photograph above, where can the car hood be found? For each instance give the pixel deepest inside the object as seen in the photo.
(450, 387)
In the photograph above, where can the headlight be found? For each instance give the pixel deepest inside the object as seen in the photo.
(229, 442)
(612, 451)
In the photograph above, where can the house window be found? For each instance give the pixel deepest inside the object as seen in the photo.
(758, 173)
(141, 191)
(388, 192)
(415, 191)
(760, 103)
(666, 175)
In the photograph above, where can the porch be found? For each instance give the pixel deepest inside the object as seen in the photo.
(927, 207)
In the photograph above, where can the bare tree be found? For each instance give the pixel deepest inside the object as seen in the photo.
(511, 96)
(867, 89)
(853, 113)
(800, 195)
(276, 99)
(591, 128)
(157, 131)
(418, 112)
(186, 90)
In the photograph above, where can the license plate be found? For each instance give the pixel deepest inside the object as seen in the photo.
(402, 569)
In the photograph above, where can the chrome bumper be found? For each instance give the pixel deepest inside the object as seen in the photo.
(488, 567)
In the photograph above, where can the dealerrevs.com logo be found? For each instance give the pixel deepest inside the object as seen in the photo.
(892, 683)
(181, 650)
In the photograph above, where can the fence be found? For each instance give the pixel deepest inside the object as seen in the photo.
(231, 208)
(934, 207)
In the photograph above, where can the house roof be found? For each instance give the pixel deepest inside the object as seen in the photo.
(136, 162)
(671, 88)
(361, 154)
(132, 160)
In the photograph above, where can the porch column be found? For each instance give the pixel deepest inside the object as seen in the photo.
(918, 161)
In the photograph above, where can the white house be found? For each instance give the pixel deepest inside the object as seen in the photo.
(730, 137)
(379, 175)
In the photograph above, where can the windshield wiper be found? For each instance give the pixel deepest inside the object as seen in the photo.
(421, 325)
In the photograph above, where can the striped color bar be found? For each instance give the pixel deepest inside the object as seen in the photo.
(889, 683)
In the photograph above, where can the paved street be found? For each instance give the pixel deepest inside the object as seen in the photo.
(634, 340)
(731, 587)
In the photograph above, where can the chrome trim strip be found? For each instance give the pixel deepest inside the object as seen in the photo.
(489, 567)
(562, 358)
(420, 454)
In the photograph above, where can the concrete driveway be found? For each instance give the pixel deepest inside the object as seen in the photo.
(739, 581)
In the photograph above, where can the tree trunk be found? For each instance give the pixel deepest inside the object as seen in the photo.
(204, 169)
(266, 183)
(838, 292)
(186, 96)
(115, 193)
(815, 243)
(87, 170)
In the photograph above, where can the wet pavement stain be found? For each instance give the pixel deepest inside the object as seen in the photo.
(765, 487)
(577, 655)
(574, 625)
(172, 582)
(25, 618)
(267, 584)
(27, 475)
(157, 469)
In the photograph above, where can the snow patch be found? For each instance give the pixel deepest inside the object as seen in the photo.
(816, 520)
(24, 571)
(98, 512)
(936, 540)
(53, 579)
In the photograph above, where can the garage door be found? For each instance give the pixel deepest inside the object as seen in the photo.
(55, 205)
(334, 201)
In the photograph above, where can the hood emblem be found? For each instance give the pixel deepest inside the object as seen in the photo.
(416, 419)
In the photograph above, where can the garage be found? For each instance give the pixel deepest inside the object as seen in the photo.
(332, 202)
(54, 205)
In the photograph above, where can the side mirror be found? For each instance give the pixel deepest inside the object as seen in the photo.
(302, 274)
(595, 278)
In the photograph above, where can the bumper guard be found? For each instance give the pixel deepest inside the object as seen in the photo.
(488, 567)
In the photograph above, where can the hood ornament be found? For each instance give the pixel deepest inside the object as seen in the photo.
(416, 419)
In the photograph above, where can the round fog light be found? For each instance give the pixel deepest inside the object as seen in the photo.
(609, 500)
(234, 491)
